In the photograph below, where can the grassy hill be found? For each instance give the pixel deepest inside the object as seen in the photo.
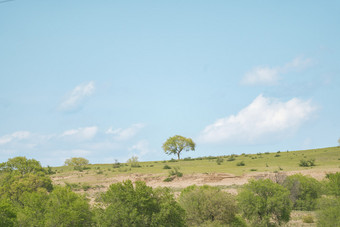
(323, 158)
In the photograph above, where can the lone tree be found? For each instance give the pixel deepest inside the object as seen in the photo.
(176, 144)
(78, 163)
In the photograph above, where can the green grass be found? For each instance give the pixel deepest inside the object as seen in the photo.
(265, 162)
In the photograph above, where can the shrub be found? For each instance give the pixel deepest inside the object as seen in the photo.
(208, 206)
(77, 163)
(264, 203)
(166, 167)
(116, 164)
(133, 161)
(307, 163)
(175, 172)
(240, 163)
(308, 219)
(219, 161)
(139, 205)
(328, 213)
(333, 184)
(304, 191)
(231, 158)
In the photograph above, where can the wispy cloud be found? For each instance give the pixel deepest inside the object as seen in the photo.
(264, 117)
(142, 147)
(127, 133)
(77, 96)
(264, 75)
(85, 133)
(19, 135)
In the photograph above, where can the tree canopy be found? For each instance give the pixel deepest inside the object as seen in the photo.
(176, 144)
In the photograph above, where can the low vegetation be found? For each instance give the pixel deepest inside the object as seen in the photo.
(28, 197)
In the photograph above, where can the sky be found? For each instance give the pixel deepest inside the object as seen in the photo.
(108, 80)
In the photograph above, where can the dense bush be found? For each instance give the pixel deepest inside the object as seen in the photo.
(304, 191)
(265, 203)
(208, 206)
(328, 214)
(139, 205)
(77, 163)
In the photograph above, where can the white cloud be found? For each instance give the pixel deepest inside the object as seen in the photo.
(77, 96)
(86, 133)
(142, 147)
(127, 133)
(264, 117)
(19, 135)
(261, 76)
(271, 75)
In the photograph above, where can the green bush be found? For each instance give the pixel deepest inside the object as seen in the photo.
(219, 161)
(166, 167)
(241, 163)
(208, 206)
(308, 219)
(127, 205)
(328, 213)
(264, 203)
(307, 163)
(304, 191)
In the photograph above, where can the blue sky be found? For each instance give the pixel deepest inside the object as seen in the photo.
(106, 80)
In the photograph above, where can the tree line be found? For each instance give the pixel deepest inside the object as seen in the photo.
(28, 198)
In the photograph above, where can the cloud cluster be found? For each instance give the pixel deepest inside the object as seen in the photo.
(16, 136)
(77, 96)
(264, 117)
(125, 134)
(85, 133)
(271, 75)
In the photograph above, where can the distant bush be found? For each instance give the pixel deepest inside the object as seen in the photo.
(304, 191)
(116, 164)
(175, 172)
(166, 167)
(219, 161)
(241, 163)
(231, 158)
(77, 163)
(308, 219)
(253, 170)
(277, 155)
(188, 159)
(173, 160)
(307, 163)
(133, 161)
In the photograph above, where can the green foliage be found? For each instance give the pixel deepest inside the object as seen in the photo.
(308, 219)
(19, 175)
(307, 163)
(333, 184)
(176, 144)
(116, 164)
(304, 191)
(241, 163)
(66, 208)
(208, 206)
(139, 205)
(265, 203)
(7, 214)
(77, 163)
(133, 161)
(175, 172)
(219, 161)
(22, 166)
(328, 213)
(166, 167)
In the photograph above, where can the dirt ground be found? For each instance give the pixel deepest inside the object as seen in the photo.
(229, 182)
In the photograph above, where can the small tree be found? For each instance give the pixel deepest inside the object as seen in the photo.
(265, 203)
(133, 161)
(176, 144)
(77, 163)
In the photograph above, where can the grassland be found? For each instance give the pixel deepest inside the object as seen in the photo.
(324, 158)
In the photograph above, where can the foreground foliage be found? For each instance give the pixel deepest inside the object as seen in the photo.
(139, 205)
(265, 203)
